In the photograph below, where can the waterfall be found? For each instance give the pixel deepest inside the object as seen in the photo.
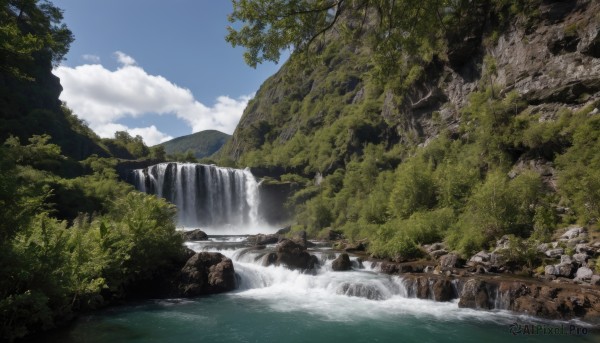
(205, 195)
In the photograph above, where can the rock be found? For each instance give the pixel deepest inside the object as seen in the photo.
(583, 248)
(479, 258)
(293, 255)
(434, 247)
(334, 235)
(284, 231)
(474, 294)
(550, 270)
(565, 259)
(342, 263)
(360, 290)
(269, 259)
(543, 247)
(266, 239)
(194, 235)
(571, 233)
(429, 269)
(206, 273)
(584, 274)
(449, 261)
(300, 238)
(327, 256)
(437, 253)
(358, 263)
(395, 268)
(595, 280)
(503, 242)
(498, 259)
(580, 259)
(555, 252)
(565, 269)
(356, 247)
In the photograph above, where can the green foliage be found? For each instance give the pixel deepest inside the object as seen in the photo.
(50, 268)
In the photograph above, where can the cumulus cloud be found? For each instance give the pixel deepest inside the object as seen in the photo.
(91, 58)
(102, 97)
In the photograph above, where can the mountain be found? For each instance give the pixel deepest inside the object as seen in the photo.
(489, 132)
(201, 144)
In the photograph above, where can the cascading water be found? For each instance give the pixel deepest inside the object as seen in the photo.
(205, 195)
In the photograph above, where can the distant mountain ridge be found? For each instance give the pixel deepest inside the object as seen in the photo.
(202, 144)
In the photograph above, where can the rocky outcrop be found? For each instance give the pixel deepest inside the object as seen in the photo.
(206, 273)
(342, 263)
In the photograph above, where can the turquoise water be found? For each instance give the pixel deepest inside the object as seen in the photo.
(274, 304)
(231, 318)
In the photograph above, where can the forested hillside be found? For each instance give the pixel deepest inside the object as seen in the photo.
(429, 121)
(199, 145)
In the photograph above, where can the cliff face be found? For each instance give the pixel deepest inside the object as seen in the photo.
(551, 61)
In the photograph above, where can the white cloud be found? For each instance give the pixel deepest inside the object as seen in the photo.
(102, 97)
(91, 58)
(125, 59)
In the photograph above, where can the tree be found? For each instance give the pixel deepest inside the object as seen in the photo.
(270, 26)
(30, 27)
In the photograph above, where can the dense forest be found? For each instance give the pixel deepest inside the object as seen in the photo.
(408, 123)
(72, 236)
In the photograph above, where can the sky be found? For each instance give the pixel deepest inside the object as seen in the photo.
(158, 69)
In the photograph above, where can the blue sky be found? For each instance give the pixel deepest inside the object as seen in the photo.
(160, 69)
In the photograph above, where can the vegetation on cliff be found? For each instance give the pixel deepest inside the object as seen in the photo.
(411, 134)
(199, 145)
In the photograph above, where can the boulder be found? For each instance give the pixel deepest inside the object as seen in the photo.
(269, 259)
(342, 263)
(194, 235)
(443, 290)
(565, 269)
(584, 248)
(266, 239)
(550, 270)
(595, 280)
(355, 247)
(565, 259)
(580, 259)
(474, 294)
(206, 273)
(479, 258)
(553, 253)
(434, 247)
(449, 261)
(284, 231)
(584, 274)
(300, 238)
(293, 255)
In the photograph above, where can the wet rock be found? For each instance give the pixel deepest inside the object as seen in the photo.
(358, 263)
(300, 238)
(443, 290)
(206, 273)
(342, 263)
(584, 274)
(553, 253)
(266, 239)
(395, 268)
(595, 280)
(194, 235)
(474, 294)
(360, 290)
(293, 255)
(269, 259)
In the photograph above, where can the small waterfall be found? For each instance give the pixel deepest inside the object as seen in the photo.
(205, 195)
